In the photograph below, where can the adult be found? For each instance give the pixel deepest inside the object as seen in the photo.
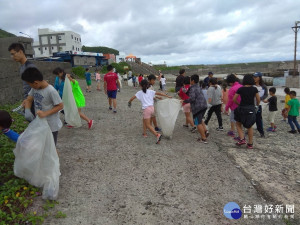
(263, 94)
(206, 80)
(111, 81)
(180, 80)
(17, 52)
(129, 74)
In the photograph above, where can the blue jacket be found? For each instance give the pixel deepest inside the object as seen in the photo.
(59, 86)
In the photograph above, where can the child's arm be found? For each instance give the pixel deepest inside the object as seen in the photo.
(257, 99)
(55, 109)
(265, 100)
(105, 87)
(162, 94)
(288, 110)
(118, 83)
(130, 100)
(11, 134)
(70, 78)
(235, 99)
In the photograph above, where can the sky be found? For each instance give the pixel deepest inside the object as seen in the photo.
(175, 32)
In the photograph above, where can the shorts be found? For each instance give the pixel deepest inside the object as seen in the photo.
(98, 81)
(148, 112)
(55, 136)
(272, 115)
(283, 112)
(112, 94)
(187, 108)
(198, 117)
(231, 116)
(88, 82)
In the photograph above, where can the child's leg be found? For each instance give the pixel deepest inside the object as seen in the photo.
(188, 119)
(201, 130)
(148, 125)
(240, 130)
(209, 114)
(109, 102)
(250, 135)
(82, 116)
(114, 100)
(290, 120)
(296, 122)
(219, 115)
(153, 120)
(144, 127)
(232, 126)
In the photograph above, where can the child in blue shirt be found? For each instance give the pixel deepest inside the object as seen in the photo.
(88, 80)
(5, 123)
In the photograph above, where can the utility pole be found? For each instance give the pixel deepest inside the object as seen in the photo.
(295, 29)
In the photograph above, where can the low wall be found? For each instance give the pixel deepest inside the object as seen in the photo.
(10, 81)
(292, 82)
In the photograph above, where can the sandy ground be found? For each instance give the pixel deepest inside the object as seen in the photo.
(113, 175)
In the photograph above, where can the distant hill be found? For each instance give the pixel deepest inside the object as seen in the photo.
(100, 49)
(4, 34)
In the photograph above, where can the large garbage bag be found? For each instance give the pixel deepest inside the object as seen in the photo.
(167, 111)
(36, 159)
(70, 108)
(130, 84)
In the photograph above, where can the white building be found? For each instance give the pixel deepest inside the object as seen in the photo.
(56, 41)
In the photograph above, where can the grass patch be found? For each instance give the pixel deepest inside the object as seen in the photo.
(16, 195)
(172, 90)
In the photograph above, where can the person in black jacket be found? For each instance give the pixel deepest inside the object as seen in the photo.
(180, 80)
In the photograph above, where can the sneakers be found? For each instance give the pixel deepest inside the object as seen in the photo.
(90, 124)
(69, 126)
(158, 138)
(204, 141)
(145, 135)
(292, 132)
(241, 142)
(157, 129)
(110, 108)
(115, 111)
(237, 138)
(185, 125)
(230, 133)
(193, 129)
(271, 129)
(262, 135)
(219, 129)
(250, 146)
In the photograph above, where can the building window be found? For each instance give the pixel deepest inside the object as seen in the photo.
(79, 39)
(59, 37)
(60, 49)
(39, 49)
(72, 36)
(73, 47)
(45, 48)
(50, 37)
(52, 48)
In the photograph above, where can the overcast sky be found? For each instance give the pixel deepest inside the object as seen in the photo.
(178, 32)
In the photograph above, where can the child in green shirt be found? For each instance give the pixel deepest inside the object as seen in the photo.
(293, 112)
(79, 99)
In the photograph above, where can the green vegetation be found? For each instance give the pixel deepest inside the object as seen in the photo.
(16, 195)
(172, 90)
(79, 71)
(100, 49)
(118, 66)
(168, 68)
(4, 34)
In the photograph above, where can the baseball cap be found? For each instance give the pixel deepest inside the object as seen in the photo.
(210, 73)
(257, 74)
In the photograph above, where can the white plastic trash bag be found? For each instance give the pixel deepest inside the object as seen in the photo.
(167, 111)
(130, 83)
(36, 159)
(70, 108)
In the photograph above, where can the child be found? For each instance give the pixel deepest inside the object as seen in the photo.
(45, 98)
(163, 83)
(214, 94)
(111, 80)
(204, 90)
(5, 123)
(146, 97)
(272, 108)
(151, 82)
(98, 79)
(187, 106)
(244, 114)
(134, 80)
(235, 85)
(287, 99)
(88, 80)
(293, 112)
(59, 80)
(140, 78)
(198, 106)
(224, 98)
(80, 100)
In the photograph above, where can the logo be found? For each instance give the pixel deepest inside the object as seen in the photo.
(232, 211)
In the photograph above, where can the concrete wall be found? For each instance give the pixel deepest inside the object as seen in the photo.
(6, 42)
(292, 82)
(11, 83)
